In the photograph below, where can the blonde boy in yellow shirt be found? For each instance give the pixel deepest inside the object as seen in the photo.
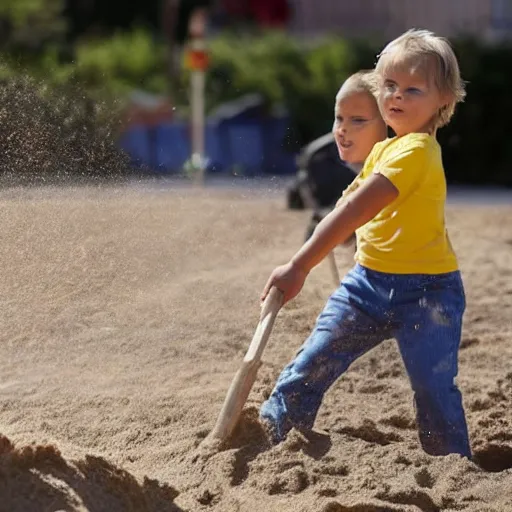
(405, 284)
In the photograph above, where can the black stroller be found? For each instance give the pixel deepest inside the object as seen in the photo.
(321, 179)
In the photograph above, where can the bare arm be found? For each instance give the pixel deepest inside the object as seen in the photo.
(357, 209)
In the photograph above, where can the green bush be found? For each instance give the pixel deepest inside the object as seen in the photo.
(28, 27)
(105, 68)
(475, 144)
(21, 13)
(120, 64)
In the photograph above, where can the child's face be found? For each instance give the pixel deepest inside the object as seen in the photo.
(358, 126)
(408, 101)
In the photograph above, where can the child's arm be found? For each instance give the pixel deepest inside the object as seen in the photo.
(350, 189)
(359, 207)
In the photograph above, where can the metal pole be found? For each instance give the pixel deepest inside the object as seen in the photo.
(197, 84)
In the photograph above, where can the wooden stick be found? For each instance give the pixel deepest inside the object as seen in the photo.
(334, 269)
(244, 378)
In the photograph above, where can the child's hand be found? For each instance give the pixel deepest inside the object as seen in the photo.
(288, 278)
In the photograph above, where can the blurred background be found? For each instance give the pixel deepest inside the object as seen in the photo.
(86, 83)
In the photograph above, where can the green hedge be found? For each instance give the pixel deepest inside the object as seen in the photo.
(303, 77)
(476, 145)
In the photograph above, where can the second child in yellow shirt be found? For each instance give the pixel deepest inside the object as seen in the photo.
(405, 283)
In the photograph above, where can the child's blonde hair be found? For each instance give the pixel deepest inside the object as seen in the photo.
(362, 81)
(423, 50)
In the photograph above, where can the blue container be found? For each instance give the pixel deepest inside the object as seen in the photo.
(243, 141)
(240, 137)
(172, 144)
(278, 160)
(136, 143)
(217, 156)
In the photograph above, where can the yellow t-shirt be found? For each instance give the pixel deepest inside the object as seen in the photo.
(408, 236)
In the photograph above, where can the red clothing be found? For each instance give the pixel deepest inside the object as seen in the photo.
(266, 13)
(270, 13)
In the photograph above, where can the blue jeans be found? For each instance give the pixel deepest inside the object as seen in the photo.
(422, 312)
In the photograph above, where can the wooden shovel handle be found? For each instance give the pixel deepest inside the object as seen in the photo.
(243, 380)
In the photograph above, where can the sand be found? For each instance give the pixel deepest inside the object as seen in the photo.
(126, 311)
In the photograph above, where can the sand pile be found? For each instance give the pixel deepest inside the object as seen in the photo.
(39, 478)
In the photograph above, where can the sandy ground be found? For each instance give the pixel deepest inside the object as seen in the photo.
(126, 312)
